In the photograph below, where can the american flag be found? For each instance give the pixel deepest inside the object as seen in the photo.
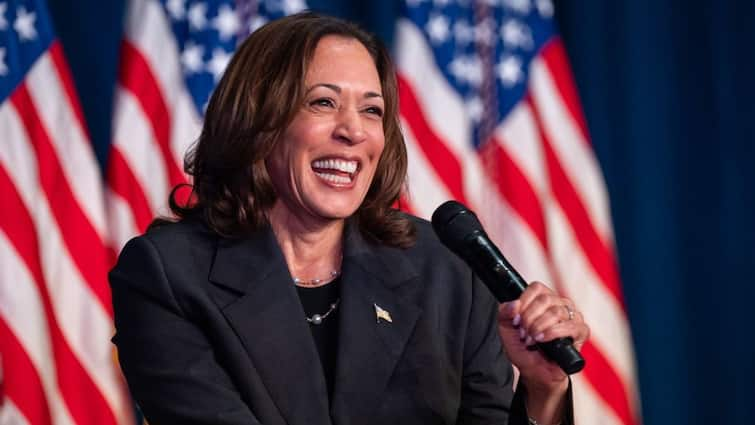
(492, 119)
(172, 54)
(55, 314)
(490, 115)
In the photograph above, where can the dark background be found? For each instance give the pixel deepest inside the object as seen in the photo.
(668, 88)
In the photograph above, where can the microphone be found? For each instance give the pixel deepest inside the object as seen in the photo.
(460, 230)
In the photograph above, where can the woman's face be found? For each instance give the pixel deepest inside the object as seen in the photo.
(323, 166)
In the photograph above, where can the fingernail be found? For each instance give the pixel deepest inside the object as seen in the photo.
(517, 320)
(540, 337)
(507, 306)
(529, 341)
(522, 333)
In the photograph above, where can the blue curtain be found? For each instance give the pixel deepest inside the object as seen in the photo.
(668, 90)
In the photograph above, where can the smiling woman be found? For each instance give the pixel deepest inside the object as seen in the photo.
(328, 154)
(335, 93)
(288, 290)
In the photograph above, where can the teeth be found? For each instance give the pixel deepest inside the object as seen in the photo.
(336, 164)
(334, 178)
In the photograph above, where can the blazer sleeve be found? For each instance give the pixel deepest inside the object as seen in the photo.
(487, 375)
(167, 360)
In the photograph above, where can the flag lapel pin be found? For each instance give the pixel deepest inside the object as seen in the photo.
(381, 313)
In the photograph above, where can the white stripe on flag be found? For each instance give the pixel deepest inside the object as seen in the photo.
(520, 246)
(10, 415)
(135, 140)
(148, 29)
(71, 144)
(589, 407)
(425, 189)
(440, 103)
(21, 308)
(444, 111)
(574, 153)
(124, 226)
(16, 150)
(519, 137)
(609, 328)
(85, 324)
(186, 125)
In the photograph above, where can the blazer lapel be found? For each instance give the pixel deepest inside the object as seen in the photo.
(369, 346)
(269, 320)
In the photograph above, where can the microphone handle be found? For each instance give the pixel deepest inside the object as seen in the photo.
(507, 284)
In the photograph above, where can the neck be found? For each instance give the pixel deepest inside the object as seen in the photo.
(312, 248)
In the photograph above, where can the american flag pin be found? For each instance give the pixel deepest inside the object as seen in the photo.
(381, 313)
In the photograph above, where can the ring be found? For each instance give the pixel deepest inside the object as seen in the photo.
(570, 311)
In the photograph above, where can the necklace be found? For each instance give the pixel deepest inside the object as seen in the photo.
(314, 282)
(316, 319)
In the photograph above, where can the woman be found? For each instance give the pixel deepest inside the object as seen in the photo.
(289, 291)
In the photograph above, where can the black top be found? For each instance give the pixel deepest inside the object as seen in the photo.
(317, 300)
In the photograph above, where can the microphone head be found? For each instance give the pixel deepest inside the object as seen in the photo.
(454, 223)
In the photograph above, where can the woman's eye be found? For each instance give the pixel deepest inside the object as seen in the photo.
(375, 111)
(322, 102)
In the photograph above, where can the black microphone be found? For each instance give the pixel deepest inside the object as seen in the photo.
(460, 230)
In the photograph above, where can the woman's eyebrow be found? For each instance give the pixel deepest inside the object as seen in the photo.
(333, 87)
(337, 89)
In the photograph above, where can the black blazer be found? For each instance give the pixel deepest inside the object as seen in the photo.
(211, 331)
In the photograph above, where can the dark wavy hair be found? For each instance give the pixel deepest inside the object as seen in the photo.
(260, 92)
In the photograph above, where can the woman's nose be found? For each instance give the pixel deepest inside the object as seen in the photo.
(350, 127)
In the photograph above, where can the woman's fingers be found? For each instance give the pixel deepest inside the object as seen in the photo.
(546, 316)
(579, 332)
(509, 311)
(551, 317)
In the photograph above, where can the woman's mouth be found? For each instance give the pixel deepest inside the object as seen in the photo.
(336, 171)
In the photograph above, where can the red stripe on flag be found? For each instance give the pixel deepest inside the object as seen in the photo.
(136, 76)
(123, 182)
(445, 163)
(64, 75)
(85, 402)
(606, 383)
(513, 185)
(18, 226)
(83, 243)
(112, 257)
(598, 254)
(21, 382)
(554, 56)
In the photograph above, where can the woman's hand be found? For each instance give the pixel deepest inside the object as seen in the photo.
(540, 315)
